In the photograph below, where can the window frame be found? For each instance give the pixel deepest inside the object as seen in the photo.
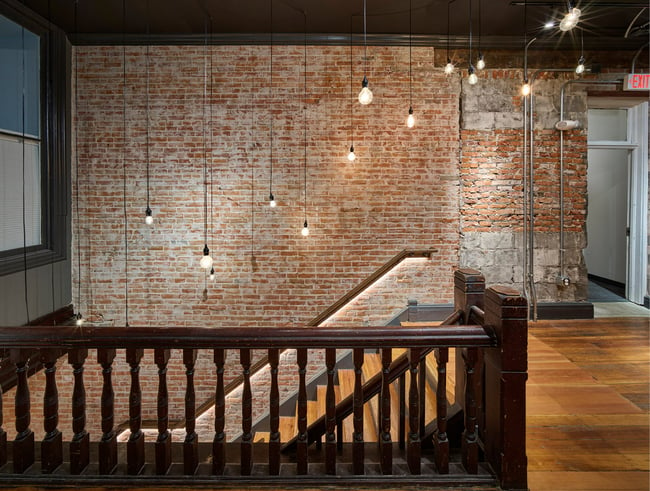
(55, 144)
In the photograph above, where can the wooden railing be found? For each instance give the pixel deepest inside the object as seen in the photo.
(493, 454)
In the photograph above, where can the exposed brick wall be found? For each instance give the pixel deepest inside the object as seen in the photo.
(402, 192)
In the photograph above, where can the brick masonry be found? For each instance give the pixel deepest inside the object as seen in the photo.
(453, 184)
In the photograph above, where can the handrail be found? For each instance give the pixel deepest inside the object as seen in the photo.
(357, 290)
(372, 386)
(73, 337)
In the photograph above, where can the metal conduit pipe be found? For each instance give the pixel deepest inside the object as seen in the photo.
(638, 53)
(531, 195)
(562, 92)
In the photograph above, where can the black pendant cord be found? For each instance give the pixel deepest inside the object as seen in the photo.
(147, 103)
(205, 149)
(365, 42)
(351, 94)
(410, 55)
(448, 17)
(305, 119)
(77, 180)
(211, 129)
(22, 32)
(271, 197)
(126, 218)
(479, 28)
(470, 33)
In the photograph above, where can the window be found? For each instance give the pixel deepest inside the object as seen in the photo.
(34, 141)
(20, 143)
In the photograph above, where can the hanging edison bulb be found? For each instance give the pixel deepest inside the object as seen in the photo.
(305, 229)
(365, 96)
(410, 120)
(473, 78)
(525, 89)
(351, 155)
(272, 202)
(570, 20)
(148, 216)
(449, 67)
(206, 259)
(480, 64)
(211, 276)
(581, 65)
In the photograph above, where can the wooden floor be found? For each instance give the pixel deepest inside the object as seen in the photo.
(588, 405)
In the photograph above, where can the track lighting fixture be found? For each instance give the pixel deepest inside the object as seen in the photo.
(571, 19)
(365, 96)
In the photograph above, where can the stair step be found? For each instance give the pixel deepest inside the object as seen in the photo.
(287, 428)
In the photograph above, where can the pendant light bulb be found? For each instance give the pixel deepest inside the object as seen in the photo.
(473, 78)
(305, 229)
(272, 202)
(206, 260)
(148, 216)
(525, 89)
(570, 20)
(79, 319)
(480, 64)
(211, 274)
(365, 96)
(351, 155)
(449, 67)
(410, 120)
(581, 65)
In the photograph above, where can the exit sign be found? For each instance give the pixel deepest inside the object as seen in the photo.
(637, 81)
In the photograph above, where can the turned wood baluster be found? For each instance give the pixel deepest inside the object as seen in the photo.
(80, 444)
(402, 411)
(469, 438)
(247, 414)
(302, 413)
(191, 443)
(274, 415)
(414, 444)
(135, 444)
(3, 435)
(357, 415)
(219, 442)
(52, 444)
(23, 447)
(330, 414)
(164, 441)
(385, 443)
(440, 440)
(108, 442)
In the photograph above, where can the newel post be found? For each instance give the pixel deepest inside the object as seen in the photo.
(506, 314)
(469, 289)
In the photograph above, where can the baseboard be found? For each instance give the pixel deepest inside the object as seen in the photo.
(565, 310)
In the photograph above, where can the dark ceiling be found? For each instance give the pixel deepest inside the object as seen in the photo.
(604, 24)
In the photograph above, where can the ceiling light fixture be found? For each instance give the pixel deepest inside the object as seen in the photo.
(351, 155)
(410, 120)
(365, 96)
(305, 227)
(473, 78)
(206, 259)
(571, 19)
(480, 63)
(148, 214)
(272, 202)
(449, 67)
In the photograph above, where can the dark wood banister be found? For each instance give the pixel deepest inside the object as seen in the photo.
(372, 386)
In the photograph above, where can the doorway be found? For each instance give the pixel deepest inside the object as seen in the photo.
(617, 187)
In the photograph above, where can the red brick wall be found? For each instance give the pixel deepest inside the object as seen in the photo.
(401, 192)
